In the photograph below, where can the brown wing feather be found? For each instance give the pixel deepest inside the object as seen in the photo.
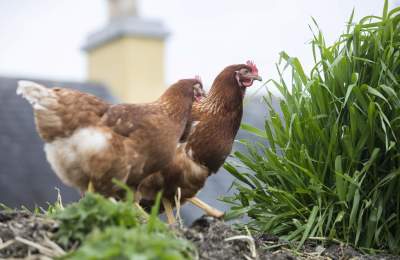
(124, 119)
(68, 110)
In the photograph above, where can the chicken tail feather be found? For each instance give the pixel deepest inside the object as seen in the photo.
(38, 95)
(45, 106)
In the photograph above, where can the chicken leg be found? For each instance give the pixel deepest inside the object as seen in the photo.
(210, 211)
(144, 213)
(169, 211)
(90, 187)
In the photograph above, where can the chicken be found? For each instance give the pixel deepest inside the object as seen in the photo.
(88, 141)
(218, 119)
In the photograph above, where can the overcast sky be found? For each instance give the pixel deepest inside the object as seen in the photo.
(43, 38)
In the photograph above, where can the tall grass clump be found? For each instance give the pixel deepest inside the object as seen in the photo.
(331, 170)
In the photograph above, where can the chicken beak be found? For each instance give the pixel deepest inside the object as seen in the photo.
(257, 77)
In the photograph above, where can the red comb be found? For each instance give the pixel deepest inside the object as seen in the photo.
(197, 77)
(253, 66)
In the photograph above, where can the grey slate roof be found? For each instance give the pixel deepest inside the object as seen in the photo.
(25, 176)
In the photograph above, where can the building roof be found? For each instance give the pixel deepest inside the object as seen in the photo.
(25, 176)
(126, 26)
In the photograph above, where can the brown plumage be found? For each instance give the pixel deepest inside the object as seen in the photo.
(88, 140)
(209, 142)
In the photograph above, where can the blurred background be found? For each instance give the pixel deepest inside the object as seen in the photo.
(130, 51)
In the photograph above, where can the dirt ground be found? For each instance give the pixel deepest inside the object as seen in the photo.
(24, 235)
(211, 235)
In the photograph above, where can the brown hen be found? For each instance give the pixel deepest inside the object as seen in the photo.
(218, 119)
(88, 141)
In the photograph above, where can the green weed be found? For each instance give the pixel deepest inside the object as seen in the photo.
(137, 243)
(93, 212)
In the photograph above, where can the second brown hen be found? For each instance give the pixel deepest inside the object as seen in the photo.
(218, 119)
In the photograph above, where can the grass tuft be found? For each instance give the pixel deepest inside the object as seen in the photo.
(332, 167)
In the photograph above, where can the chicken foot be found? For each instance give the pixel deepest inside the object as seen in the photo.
(210, 211)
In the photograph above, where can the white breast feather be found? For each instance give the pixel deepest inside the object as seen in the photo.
(73, 152)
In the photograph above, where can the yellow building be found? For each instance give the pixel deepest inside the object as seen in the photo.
(128, 54)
